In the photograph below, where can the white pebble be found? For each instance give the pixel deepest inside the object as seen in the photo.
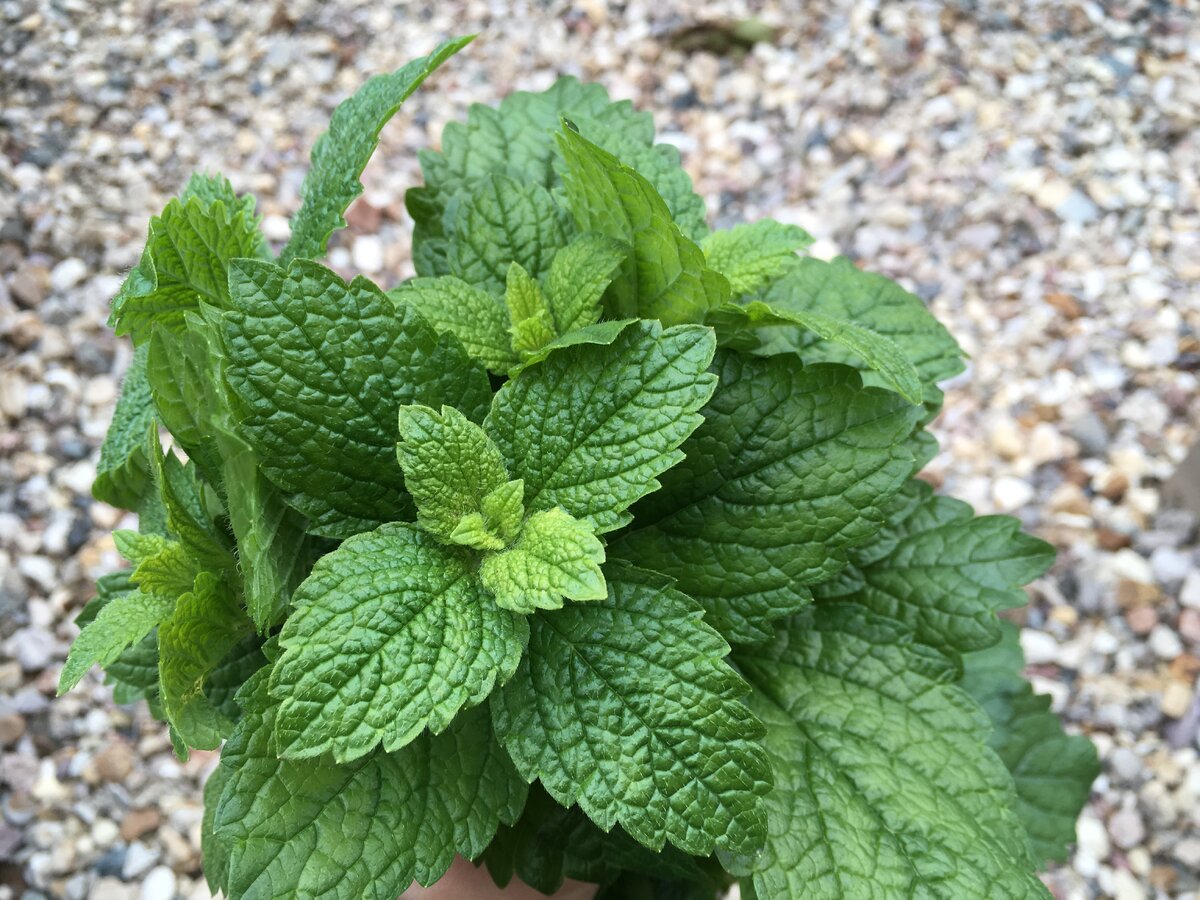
(159, 884)
(1040, 648)
(1189, 594)
(1165, 643)
(1010, 493)
(368, 254)
(68, 273)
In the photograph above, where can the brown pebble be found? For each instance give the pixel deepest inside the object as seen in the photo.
(139, 822)
(114, 762)
(12, 726)
(1113, 485)
(1069, 306)
(1141, 619)
(1163, 877)
(1107, 539)
(1131, 594)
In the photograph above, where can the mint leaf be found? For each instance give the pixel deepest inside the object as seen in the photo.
(529, 310)
(180, 370)
(588, 715)
(214, 851)
(185, 262)
(792, 466)
(502, 221)
(753, 254)
(342, 152)
(556, 556)
(161, 566)
(578, 276)
(450, 465)
(320, 370)
(1053, 771)
(188, 512)
(842, 291)
(121, 622)
(591, 427)
(942, 571)
(390, 634)
(123, 474)
(205, 625)
(471, 314)
(662, 167)
(504, 508)
(601, 333)
(879, 354)
(884, 783)
(307, 828)
(665, 276)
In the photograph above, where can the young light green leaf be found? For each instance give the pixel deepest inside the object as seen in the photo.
(390, 634)
(320, 370)
(342, 152)
(122, 621)
(602, 333)
(753, 254)
(735, 324)
(555, 556)
(205, 625)
(188, 515)
(471, 314)
(589, 713)
(529, 311)
(665, 276)
(1053, 771)
(502, 221)
(186, 261)
(450, 465)
(180, 368)
(842, 291)
(161, 566)
(591, 427)
(884, 783)
(504, 509)
(123, 472)
(792, 466)
(306, 828)
(942, 571)
(579, 275)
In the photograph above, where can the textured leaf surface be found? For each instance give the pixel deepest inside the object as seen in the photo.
(791, 467)
(310, 828)
(601, 333)
(752, 254)
(188, 513)
(885, 785)
(205, 625)
(123, 621)
(874, 351)
(321, 369)
(123, 473)
(626, 707)
(665, 276)
(591, 427)
(341, 153)
(578, 277)
(450, 465)
(942, 571)
(213, 850)
(471, 314)
(842, 291)
(1053, 771)
(555, 556)
(181, 369)
(662, 167)
(503, 221)
(532, 319)
(391, 633)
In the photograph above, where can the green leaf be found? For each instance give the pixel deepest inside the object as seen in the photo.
(792, 466)
(226, 678)
(471, 314)
(877, 353)
(342, 152)
(529, 310)
(180, 369)
(320, 370)
(942, 571)
(660, 165)
(504, 509)
(205, 625)
(213, 850)
(123, 473)
(884, 783)
(500, 222)
(665, 276)
(626, 707)
(123, 621)
(753, 254)
(188, 515)
(185, 262)
(556, 556)
(844, 292)
(450, 465)
(602, 333)
(309, 828)
(163, 567)
(1053, 771)
(579, 275)
(390, 634)
(591, 427)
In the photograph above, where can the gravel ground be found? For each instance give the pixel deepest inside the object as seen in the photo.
(1031, 168)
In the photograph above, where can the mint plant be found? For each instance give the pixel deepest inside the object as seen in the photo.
(594, 551)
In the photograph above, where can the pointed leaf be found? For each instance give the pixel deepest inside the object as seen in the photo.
(556, 556)
(753, 254)
(123, 621)
(123, 472)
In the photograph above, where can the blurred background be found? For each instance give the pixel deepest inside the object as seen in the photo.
(1032, 169)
